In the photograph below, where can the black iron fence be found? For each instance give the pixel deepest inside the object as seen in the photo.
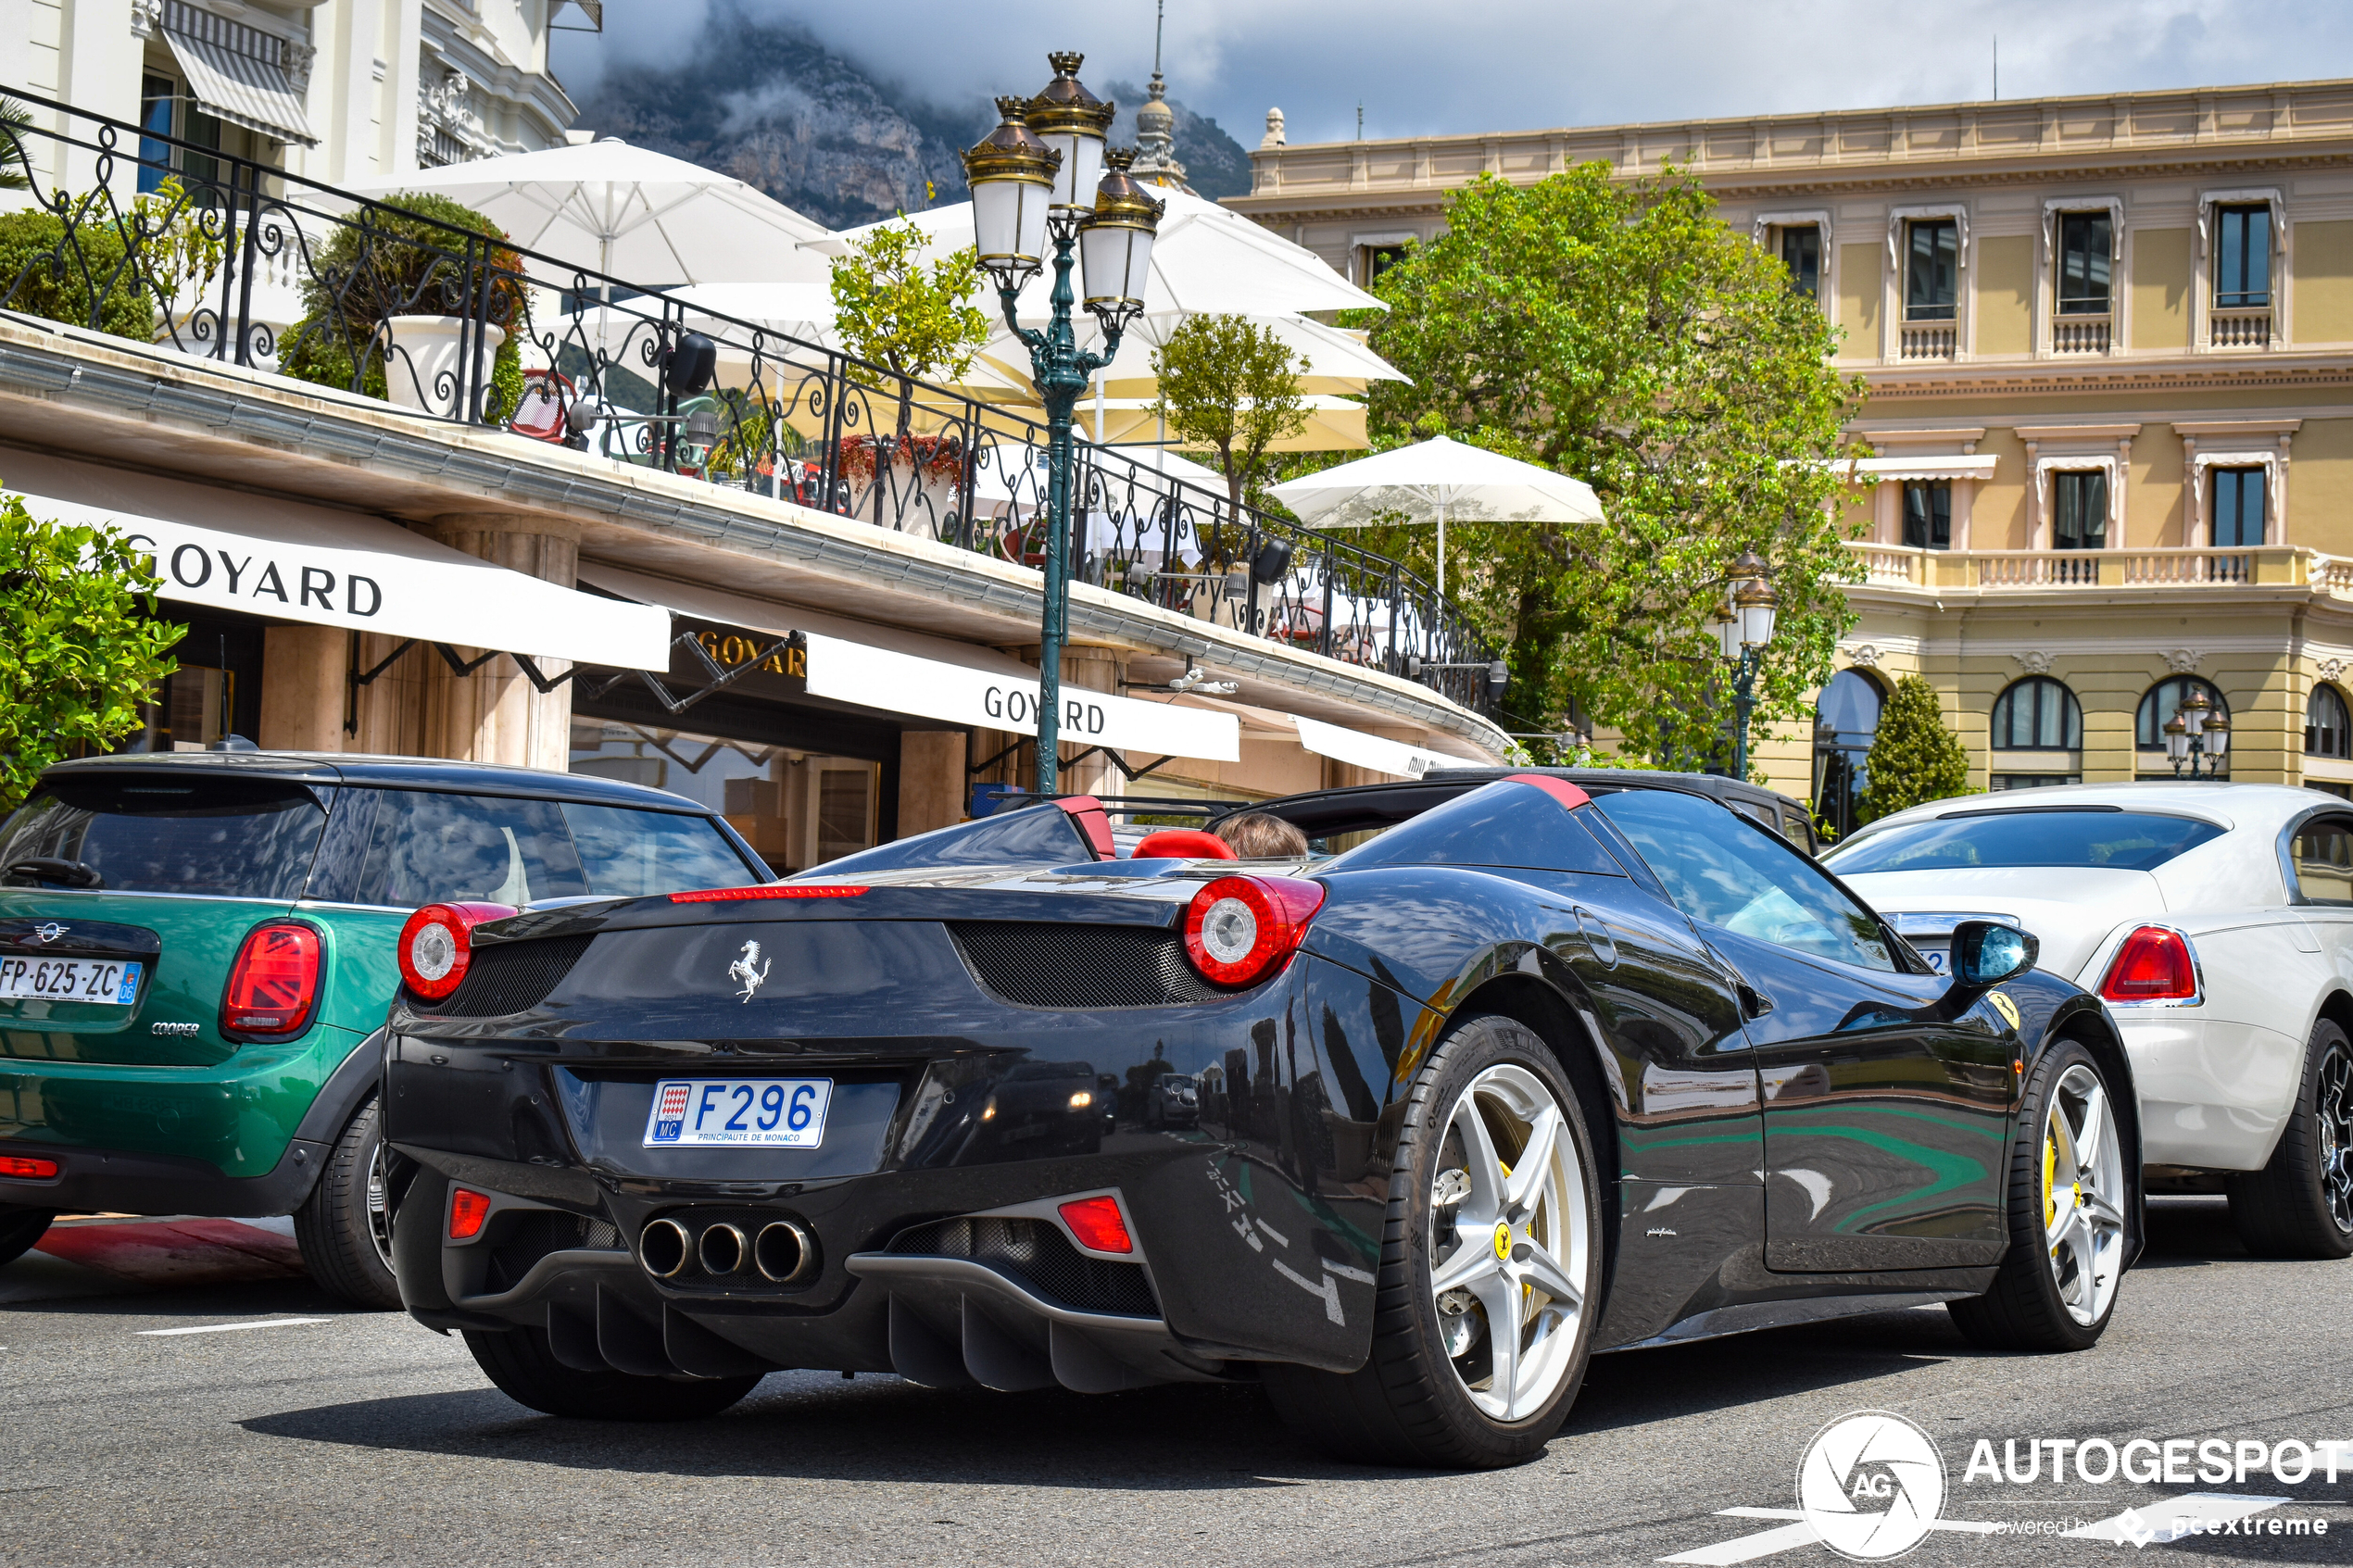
(225, 259)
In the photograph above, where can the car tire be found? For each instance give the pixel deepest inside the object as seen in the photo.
(21, 1229)
(344, 1226)
(526, 1371)
(1418, 1400)
(2300, 1205)
(2058, 1283)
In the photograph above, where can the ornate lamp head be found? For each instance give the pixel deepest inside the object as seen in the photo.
(1012, 173)
(1115, 242)
(1074, 122)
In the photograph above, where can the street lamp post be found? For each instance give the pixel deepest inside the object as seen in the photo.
(1743, 628)
(1043, 179)
(2198, 737)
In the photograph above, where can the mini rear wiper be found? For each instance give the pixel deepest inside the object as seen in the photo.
(55, 869)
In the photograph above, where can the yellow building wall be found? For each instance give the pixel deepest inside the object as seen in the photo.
(2320, 272)
(2004, 302)
(2320, 487)
(2156, 264)
(2155, 512)
(1997, 516)
(1859, 300)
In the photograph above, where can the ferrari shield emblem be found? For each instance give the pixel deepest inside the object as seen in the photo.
(2003, 1005)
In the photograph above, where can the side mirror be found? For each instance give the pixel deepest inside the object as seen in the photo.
(1987, 952)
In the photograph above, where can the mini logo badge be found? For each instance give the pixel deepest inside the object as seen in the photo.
(1871, 1484)
(749, 971)
(48, 932)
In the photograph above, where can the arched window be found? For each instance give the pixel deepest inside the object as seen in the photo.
(1845, 718)
(2327, 730)
(2163, 700)
(2037, 714)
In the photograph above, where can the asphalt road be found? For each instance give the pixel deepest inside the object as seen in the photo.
(365, 1438)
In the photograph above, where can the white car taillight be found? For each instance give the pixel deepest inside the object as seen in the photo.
(2153, 965)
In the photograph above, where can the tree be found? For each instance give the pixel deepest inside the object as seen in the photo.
(1913, 757)
(1621, 333)
(891, 312)
(1232, 386)
(79, 648)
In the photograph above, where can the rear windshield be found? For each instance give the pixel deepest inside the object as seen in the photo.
(426, 848)
(237, 839)
(2131, 841)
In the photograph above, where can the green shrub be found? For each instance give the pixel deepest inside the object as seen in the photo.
(1913, 758)
(79, 278)
(404, 262)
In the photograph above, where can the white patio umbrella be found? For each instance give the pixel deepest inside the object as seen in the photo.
(631, 213)
(1435, 478)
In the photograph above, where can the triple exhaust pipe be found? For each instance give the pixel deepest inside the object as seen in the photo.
(783, 1253)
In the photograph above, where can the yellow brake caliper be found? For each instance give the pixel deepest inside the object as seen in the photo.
(2050, 1175)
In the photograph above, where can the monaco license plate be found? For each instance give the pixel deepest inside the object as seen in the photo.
(724, 1112)
(107, 981)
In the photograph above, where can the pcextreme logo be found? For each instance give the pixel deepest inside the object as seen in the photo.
(1871, 1484)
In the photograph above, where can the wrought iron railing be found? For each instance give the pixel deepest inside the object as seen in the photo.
(239, 263)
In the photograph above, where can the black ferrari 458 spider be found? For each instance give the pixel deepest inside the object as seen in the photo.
(1534, 1066)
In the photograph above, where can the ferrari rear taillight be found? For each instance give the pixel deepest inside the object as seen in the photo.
(26, 1168)
(1239, 930)
(770, 890)
(1098, 1224)
(436, 945)
(2153, 965)
(273, 985)
(468, 1209)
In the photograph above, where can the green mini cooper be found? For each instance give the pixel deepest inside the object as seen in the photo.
(197, 956)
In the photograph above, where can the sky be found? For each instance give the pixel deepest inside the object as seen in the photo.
(1419, 67)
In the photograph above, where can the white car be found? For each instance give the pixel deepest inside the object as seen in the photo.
(2216, 920)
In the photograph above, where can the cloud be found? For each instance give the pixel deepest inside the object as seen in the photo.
(1535, 63)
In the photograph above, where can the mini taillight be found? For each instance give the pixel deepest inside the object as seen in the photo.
(1239, 930)
(2153, 965)
(768, 890)
(26, 1169)
(273, 986)
(1096, 1222)
(468, 1209)
(438, 944)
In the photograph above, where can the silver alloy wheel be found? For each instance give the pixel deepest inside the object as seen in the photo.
(2333, 1105)
(1509, 1242)
(2082, 1195)
(379, 1210)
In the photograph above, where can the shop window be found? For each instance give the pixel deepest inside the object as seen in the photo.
(1928, 514)
(1802, 253)
(2238, 507)
(2242, 257)
(2085, 240)
(1845, 718)
(2037, 714)
(2327, 731)
(798, 808)
(1932, 274)
(2079, 509)
(1374, 260)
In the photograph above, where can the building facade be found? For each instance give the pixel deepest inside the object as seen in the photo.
(2109, 347)
(341, 91)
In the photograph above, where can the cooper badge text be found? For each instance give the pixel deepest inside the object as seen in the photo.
(749, 971)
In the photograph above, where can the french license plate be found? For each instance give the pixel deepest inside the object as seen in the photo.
(724, 1112)
(107, 981)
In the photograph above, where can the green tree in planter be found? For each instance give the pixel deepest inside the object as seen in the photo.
(1232, 387)
(1913, 757)
(79, 648)
(891, 312)
(73, 272)
(405, 261)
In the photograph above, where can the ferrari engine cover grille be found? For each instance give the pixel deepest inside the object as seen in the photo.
(534, 1234)
(1040, 1256)
(513, 976)
(1037, 965)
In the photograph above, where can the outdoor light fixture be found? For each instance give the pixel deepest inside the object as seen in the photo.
(1040, 187)
(701, 435)
(1744, 626)
(2197, 737)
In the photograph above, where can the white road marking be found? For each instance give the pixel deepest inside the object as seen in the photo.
(2169, 1521)
(229, 1327)
(1783, 1537)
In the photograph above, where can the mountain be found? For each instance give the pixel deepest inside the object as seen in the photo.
(765, 102)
